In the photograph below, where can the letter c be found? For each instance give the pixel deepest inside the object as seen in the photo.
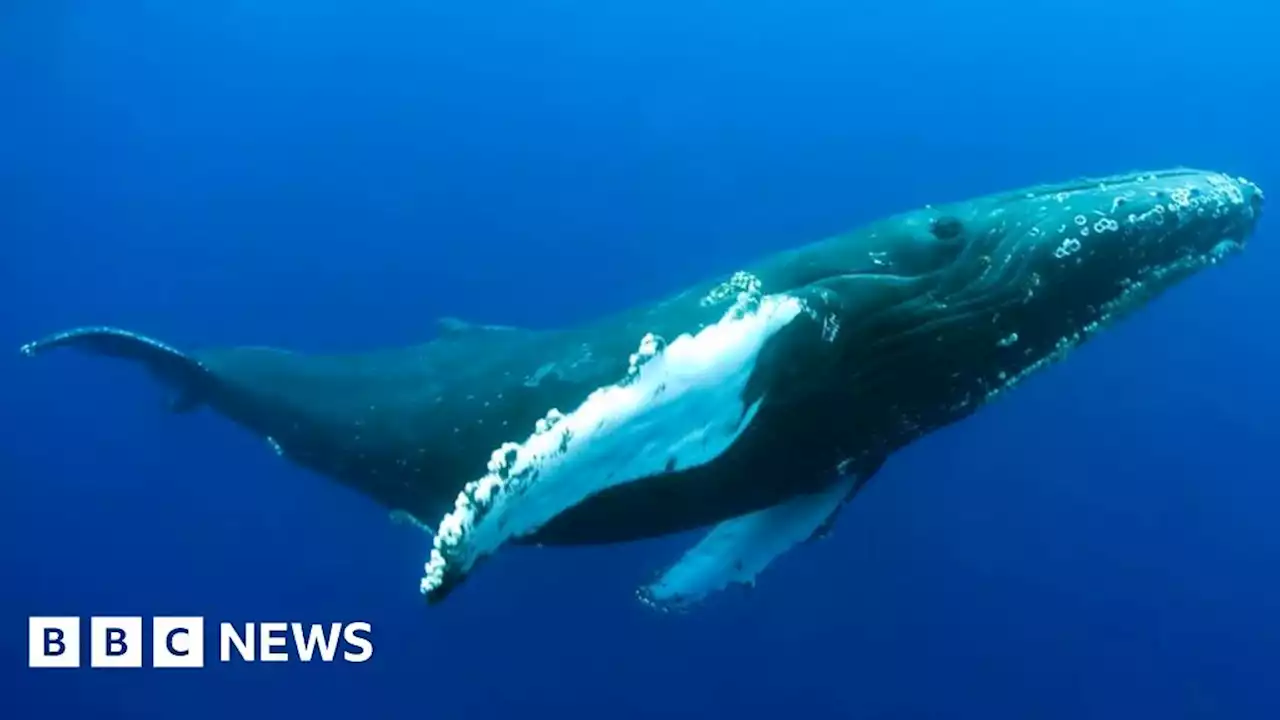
(168, 642)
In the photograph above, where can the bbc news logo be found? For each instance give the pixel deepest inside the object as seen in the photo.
(178, 642)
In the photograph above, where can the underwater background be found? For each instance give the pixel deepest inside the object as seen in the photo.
(331, 175)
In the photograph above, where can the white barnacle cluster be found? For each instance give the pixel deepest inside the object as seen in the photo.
(746, 303)
(549, 422)
(506, 467)
(1224, 186)
(475, 499)
(1184, 203)
(737, 284)
(1179, 198)
(510, 467)
(500, 460)
(650, 346)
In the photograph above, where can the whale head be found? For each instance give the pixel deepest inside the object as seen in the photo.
(976, 296)
(1072, 257)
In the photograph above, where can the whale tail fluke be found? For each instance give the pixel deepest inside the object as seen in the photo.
(171, 366)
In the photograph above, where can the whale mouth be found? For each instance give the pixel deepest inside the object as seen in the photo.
(680, 405)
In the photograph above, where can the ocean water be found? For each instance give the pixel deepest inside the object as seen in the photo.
(333, 176)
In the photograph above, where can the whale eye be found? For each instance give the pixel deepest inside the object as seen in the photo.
(946, 228)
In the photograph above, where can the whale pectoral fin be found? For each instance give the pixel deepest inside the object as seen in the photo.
(736, 551)
(679, 405)
(168, 364)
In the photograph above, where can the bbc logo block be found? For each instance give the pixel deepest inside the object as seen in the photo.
(115, 642)
(53, 642)
(179, 642)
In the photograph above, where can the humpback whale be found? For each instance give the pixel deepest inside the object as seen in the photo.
(755, 404)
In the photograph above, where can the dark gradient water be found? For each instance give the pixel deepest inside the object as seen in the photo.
(333, 175)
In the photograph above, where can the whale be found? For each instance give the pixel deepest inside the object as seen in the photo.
(753, 405)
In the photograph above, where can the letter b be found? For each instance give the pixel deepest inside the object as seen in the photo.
(115, 642)
(53, 642)
(116, 646)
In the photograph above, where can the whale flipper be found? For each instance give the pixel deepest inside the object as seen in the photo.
(736, 551)
(679, 405)
(172, 366)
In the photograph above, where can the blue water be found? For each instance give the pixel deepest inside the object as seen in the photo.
(333, 175)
